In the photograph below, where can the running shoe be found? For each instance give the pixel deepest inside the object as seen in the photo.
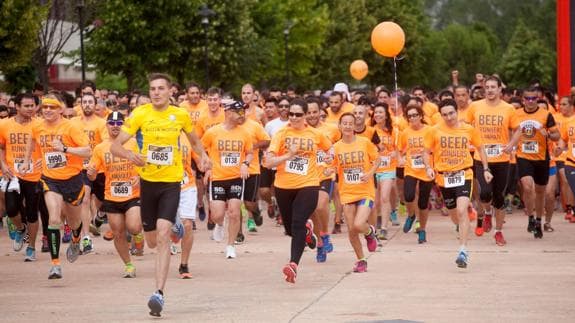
(156, 304)
(393, 218)
(290, 272)
(218, 233)
(327, 245)
(572, 219)
(499, 240)
(138, 244)
(230, 252)
(471, 213)
(336, 228)
(18, 242)
(99, 219)
(258, 219)
(462, 259)
(55, 272)
(11, 228)
(240, 238)
(87, 245)
(531, 224)
(402, 210)
(109, 235)
(211, 225)
(360, 266)
(201, 213)
(310, 238)
(184, 272)
(321, 255)
(129, 271)
(177, 232)
(371, 239)
(271, 213)
(547, 227)
(94, 230)
(382, 234)
(67, 237)
(252, 225)
(537, 231)
(408, 223)
(421, 237)
(174, 249)
(479, 228)
(30, 254)
(487, 226)
(73, 251)
(416, 226)
(45, 246)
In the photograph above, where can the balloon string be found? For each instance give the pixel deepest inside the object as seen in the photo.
(396, 95)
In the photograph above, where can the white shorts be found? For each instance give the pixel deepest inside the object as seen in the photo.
(188, 202)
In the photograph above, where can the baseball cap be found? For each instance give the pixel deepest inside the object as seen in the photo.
(115, 116)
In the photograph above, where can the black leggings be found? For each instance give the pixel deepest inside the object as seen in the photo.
(29, 192)
(409, 185)
(495, 190)
(43, 214)
(296, 206)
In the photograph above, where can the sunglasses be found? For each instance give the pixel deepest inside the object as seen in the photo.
(50, 107)
(296, 114)
(530, 98)
(412, 115)
(116, 123)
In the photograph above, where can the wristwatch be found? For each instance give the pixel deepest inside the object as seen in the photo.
(64, 148)
(247, 163)
(487, 170)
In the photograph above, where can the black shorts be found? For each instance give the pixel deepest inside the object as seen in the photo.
(538, 169)
(24, 203)
(71, 189)
(492, 192)
(399, 172)
(199, 175)
(85, 179)
(119, 207)
(99, 185)
(159, 200)
(451, 194)
(267, 177)
(327, 186)
(227, 189)
(251, 188)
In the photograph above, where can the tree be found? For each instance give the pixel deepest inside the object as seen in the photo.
(19, 24)
(526, 58)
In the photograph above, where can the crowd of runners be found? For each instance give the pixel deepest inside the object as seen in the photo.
(156, 165)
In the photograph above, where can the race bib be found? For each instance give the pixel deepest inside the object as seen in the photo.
(160, 155)
(453, 179)
(493, 151)
(55, 159)
(121, 189)
(297, 165)
(352, 175)
(384, 161)
(530, 147)
(230, 159)
(18, 163)
(417, 162)
(320, 155)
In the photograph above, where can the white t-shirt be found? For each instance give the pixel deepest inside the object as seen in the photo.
(272, 127)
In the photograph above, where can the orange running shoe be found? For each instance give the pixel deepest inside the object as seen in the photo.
(109, 235)
(471, 213)
(290, 272)
(479, 231)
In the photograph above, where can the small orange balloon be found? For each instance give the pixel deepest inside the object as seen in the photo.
(358, 69)
(388, 39)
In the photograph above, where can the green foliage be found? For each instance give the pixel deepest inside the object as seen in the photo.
(115, 82)
(20, 21)
(526, 58)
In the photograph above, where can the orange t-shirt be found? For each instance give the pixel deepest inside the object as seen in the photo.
(451, 154)
(333, 134)
(189, 179)
(94, 128)
(227, 149)
(334, 117)
(411, 143)
(532, 144)
(352, 160)
(387, 146)
(493, 123)
(429, 109)
(195, 110)
(57, 164)
(568, 135)
(206, 121)
(14, 137)
(258, 134)
(560, 119)
(121, 174)
(301, 170)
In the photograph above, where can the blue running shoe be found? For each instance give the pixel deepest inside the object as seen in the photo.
(321, 254)
(11, 229)
(177, 232)
(18, 242)
(421, 237)
(408, 223)
(461, 260)
(393, 218)
(30, 254)
(156, 304)
(327, 245)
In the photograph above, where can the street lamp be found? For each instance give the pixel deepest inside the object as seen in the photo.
(289, 25)
(80, 6)
(206, 13)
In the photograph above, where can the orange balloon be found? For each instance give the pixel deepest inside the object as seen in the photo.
(387, 39)
(358, 69)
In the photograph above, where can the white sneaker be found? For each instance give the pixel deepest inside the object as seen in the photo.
(218, 233)
(230, 252)
(13, 185)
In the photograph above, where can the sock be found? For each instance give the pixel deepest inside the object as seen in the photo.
(76, 232)
(160, 292)
(54, 242)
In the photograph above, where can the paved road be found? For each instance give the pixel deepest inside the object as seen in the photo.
(526, 281)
